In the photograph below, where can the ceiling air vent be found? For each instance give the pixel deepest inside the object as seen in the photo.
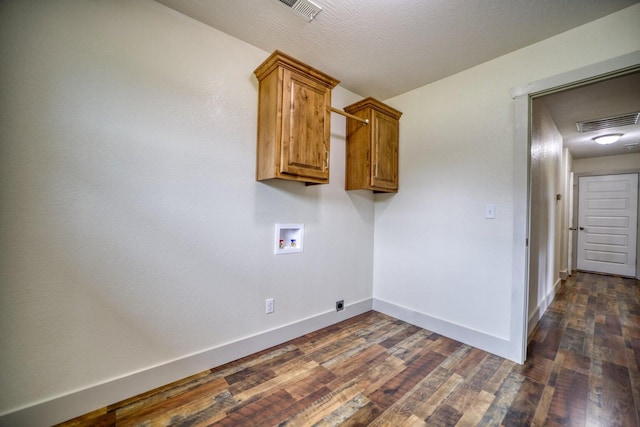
(609, 122)
(305, 8)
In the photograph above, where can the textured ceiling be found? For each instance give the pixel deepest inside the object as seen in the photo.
(620, 95)
(383, 48)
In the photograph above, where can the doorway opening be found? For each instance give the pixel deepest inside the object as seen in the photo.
(542, 187)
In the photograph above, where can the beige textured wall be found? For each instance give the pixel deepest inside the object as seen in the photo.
(546, 212)
(133, 231)
(435, 254)
(607, 164)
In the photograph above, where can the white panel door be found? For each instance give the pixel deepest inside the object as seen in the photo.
(607, 224)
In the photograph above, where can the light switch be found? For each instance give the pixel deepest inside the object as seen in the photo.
(490, 211)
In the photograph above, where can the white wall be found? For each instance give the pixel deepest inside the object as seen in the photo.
(607, 164)
(436, 258)
(567, 211)
(133, 231)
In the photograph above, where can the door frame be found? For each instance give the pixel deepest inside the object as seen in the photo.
(522, 97)
(575, 203)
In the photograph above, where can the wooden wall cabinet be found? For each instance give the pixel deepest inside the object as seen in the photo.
(372, 150)
(294, 120)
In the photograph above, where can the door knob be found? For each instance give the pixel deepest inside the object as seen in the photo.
(582, 228)
(572, 228)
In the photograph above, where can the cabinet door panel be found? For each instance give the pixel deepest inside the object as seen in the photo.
(305, 139)
(384, 152)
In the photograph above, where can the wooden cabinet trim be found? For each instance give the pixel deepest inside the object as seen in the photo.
(375, 105)
(280, 59)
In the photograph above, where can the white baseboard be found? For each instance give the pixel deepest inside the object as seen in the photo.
(535, 317)
(564, 274)
(77, 403)
(489, 343)
(80, 402)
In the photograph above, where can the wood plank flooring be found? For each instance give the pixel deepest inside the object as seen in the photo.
(582, 370)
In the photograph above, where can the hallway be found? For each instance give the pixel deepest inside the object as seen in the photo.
(584, 356)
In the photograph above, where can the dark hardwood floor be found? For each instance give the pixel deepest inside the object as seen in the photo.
(582, 370)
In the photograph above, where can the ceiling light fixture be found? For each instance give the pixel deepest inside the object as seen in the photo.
(608, 139)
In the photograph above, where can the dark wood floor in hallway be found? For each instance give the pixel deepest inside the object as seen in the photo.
(582, 370)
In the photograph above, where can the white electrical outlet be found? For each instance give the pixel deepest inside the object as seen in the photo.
(268, 306)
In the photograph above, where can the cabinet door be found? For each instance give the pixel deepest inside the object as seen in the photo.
(305, 127)
(384, 152)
